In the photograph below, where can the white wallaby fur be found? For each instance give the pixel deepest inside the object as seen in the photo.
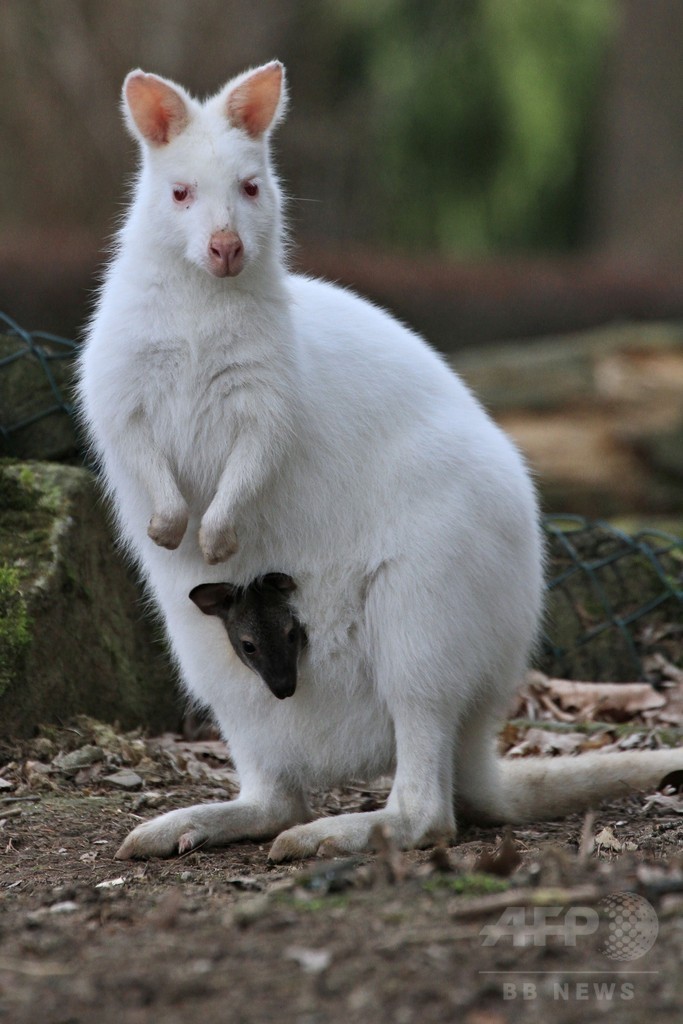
(248, 420)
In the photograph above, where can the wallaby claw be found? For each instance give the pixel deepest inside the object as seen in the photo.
(190, 840)
(217, 546)
(167, 531)
(294, 844)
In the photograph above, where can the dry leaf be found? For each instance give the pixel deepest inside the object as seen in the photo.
(440, 859)
(616, 699)
(543, 741)
(658, 663)
(502, 861)
(388, 853)
(606, 840)
(668, 800)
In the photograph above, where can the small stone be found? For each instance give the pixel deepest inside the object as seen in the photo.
(44, 747)
(65, 907)
(152, 798)
(125, 779)
(312, 961)
(73, 762)
(248, 910)
(245, 882)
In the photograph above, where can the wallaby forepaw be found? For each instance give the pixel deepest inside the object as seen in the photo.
(217, 545)
(167, 531)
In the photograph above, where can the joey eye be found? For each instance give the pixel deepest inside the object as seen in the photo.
(250, 188)
(291, 636)
(248, 647)
(181, 193)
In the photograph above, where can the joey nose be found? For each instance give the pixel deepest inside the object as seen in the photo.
(226, 254)
(281, 687)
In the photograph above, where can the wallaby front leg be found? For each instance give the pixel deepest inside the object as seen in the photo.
(247, 467)
(150, 466)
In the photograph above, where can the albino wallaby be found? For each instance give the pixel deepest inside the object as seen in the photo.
(264, 633)
(242, 412)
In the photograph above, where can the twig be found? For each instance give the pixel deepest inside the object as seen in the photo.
(587, 843)
(41, 970)
(525, 898)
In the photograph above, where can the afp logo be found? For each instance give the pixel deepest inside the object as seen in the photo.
(628, 925)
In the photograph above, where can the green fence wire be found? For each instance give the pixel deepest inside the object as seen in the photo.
(36, 411)
(614, 600)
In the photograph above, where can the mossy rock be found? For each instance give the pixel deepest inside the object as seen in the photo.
(73, 634)
(35, 393)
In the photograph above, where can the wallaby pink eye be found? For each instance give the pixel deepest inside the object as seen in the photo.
(181, 193)
(250, 188)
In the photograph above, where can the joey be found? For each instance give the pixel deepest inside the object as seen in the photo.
(263, 630)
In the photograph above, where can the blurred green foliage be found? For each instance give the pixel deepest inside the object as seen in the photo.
(487, 112)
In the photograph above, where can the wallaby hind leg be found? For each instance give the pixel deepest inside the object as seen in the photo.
(415, 673)
(215, 824)
(478, 788)
(269, 799)
(419, 811)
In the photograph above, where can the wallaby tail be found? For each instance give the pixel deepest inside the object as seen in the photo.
(518, 790)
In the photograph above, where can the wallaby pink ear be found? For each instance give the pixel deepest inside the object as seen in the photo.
(213, 598)
(256, 101)
(157, 109)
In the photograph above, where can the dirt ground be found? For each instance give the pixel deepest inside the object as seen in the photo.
(221, 935)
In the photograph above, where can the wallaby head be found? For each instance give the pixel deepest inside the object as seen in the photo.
(206, 190)
(262, 628)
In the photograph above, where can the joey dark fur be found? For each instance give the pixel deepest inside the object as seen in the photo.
(263, 630)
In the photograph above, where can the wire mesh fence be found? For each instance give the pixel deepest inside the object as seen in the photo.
(614, 600)
(36, 410)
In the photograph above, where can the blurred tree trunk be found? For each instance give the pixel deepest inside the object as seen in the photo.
(638, 184)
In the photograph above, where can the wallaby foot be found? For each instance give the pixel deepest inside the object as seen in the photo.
(353, 833)
(212, 825)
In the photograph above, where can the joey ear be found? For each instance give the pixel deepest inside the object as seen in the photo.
(279, 581)
(157, 110)
(213, 598)
(256, 101)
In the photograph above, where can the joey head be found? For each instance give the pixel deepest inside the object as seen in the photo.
(263, 630)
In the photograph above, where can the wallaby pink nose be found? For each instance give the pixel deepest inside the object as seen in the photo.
(226, 254)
